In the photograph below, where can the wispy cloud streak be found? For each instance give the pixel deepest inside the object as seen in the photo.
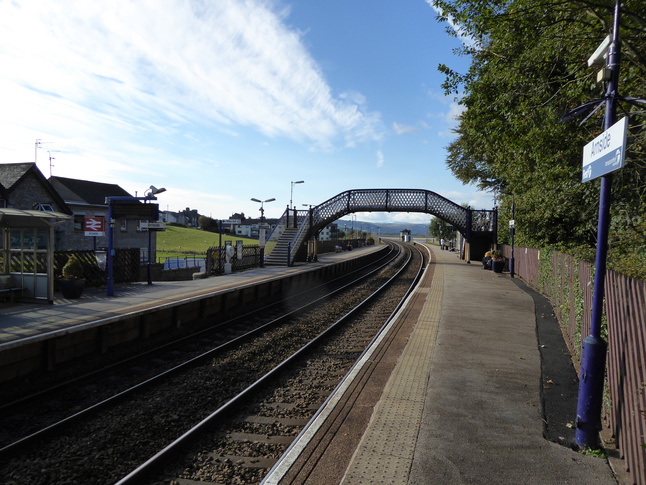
(154, 66)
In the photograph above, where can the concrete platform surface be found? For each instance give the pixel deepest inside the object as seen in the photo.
(481, 420)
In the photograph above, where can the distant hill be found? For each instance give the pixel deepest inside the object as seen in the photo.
(387, 228)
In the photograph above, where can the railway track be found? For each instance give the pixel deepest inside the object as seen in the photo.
(241, 446)
(104, 443)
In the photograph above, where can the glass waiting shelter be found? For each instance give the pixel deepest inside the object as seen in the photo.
(27, 252)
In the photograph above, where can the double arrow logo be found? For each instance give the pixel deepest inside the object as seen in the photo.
(93, 225)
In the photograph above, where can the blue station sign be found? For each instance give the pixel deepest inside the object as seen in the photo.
(606, 153)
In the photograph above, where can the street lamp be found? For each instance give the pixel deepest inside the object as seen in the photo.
(291, 194)
(311, 245)
(150, 193)
(262, 207)
(261, 226)
(512, 230)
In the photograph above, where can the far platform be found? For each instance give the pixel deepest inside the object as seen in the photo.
(24, 320)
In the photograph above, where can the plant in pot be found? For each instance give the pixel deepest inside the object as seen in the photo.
(497, 261)
(72, 283)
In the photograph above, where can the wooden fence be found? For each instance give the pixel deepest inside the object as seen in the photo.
(568, 283)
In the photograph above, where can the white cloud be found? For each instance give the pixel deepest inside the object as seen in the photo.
(450, 116)
(455, 110)
(150, 68)
(466, 39)
(473, 198)
(380, 158)
(401, 129)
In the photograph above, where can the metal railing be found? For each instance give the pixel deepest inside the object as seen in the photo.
(568, 283)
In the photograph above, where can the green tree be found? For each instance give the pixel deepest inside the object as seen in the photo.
(528, 69)
(439, 228)
(208, 224)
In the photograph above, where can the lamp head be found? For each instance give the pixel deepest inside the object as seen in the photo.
(152, 190)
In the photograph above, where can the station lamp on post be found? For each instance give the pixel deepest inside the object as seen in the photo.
(310, 212)
(150, 193)
(291, 194)
(311, 245)
(262, 226)
(262, 207)
(512, 230)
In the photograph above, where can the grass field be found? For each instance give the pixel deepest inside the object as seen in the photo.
(177, 242)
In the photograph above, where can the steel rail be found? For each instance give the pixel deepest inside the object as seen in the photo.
(162, 457)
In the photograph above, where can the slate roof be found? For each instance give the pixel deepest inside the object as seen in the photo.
(85, 191)
(10, 173)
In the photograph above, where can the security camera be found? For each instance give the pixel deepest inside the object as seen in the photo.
(600, 54)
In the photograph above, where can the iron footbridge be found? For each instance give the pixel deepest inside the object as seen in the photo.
(295, 227)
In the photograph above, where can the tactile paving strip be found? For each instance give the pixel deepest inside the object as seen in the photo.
(386, 451)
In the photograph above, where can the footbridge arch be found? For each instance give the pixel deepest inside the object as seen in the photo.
(477, 226)
(389, 200)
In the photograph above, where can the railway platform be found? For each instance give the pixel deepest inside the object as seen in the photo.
(20, 321)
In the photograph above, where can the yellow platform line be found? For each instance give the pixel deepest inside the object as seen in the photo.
(385, 453)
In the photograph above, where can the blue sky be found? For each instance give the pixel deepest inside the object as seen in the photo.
(221, 101)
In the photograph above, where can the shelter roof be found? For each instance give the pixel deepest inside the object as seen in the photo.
(30, 218)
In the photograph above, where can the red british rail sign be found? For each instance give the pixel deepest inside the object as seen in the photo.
(94, 226)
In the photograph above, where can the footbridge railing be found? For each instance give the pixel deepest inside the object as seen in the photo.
(390, 200)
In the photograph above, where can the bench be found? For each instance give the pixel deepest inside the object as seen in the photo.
(8, 288)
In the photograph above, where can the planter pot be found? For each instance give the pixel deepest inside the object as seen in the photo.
(71, 288)
(497, 266)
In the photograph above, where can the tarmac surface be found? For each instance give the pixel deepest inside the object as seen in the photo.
(484, 391)
(483, 418)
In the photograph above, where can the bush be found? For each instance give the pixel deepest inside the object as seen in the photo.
(73, 269)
